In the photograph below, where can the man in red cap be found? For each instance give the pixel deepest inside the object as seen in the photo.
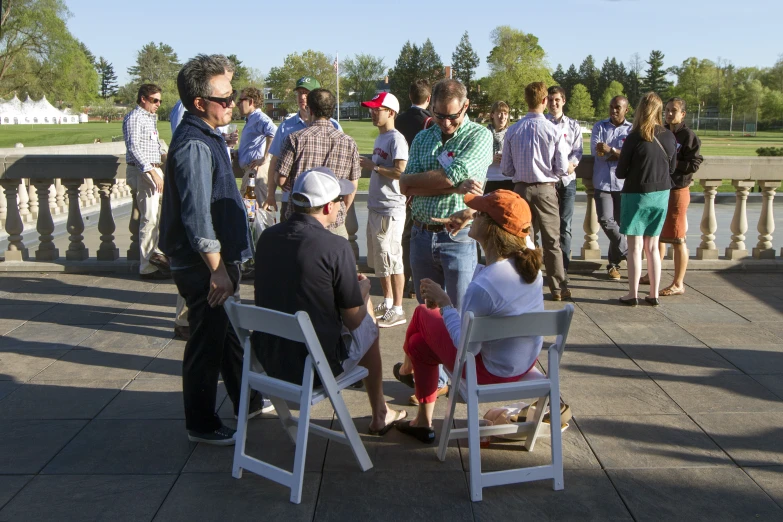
(386, 208)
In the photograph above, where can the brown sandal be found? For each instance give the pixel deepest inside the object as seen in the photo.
(670, 290)
(645, 279)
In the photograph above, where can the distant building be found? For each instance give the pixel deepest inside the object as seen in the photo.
(352, 110)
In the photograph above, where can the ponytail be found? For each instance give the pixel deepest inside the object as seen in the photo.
(527, 263)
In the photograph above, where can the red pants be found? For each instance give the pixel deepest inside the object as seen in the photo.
(428, 344)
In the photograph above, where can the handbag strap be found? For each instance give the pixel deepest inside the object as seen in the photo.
(668, 158)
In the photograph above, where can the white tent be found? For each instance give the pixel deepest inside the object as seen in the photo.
(33, 112)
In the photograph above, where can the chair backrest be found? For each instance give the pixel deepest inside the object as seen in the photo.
(481, 329)
(297, 327)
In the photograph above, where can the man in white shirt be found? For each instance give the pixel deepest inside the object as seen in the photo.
(386, 208)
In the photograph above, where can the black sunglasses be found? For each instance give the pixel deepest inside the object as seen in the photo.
(224, 102)
(450, 117)
(154, 101)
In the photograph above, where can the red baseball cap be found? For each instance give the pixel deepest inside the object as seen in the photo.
(383, 99)
(506, 208)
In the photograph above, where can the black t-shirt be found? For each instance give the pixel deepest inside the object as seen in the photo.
(302, 266)
(411, 122)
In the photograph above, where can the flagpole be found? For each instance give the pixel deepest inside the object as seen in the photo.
(337, 73)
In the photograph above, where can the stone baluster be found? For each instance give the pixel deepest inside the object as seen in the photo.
(14, 225)
(766, 226)
(590, 248)
(3, 210)
(24, 201)
(87, 194)
(75, 226)
(60, 189)
(739, 223)
(707, 248)
(108, 251)
(46, 249)
(352, 227)
(52, 202)
(134, 254)
(115, 190)
(33, 200)
(96, 193)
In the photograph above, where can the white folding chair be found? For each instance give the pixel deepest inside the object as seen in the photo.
(545, 388)
(247, 319)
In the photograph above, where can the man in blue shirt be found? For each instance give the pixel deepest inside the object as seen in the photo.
(605, 145)
(257, 136)
(304, 85)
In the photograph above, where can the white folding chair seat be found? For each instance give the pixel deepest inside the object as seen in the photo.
(246, 319)
(544, 388)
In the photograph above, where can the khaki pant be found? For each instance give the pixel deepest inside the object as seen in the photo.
(267, 217)
(148, 201)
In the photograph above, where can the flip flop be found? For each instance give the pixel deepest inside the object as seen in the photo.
(398, 416)
(671, 291)
(405, 379)
(424, 434)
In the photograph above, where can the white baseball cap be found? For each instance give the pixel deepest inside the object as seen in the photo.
(319, 186)
(384, 99)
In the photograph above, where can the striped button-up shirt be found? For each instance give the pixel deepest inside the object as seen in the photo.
(603, 170)
(142, 146)
(319, 145)
(466, 155)
(534, 151)
(572, 140)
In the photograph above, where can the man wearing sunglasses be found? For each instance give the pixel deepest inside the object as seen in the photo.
(446, 161)
(205, 234)
(144, 175)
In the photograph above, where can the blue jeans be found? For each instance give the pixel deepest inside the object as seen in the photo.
(566, 194)
(449, 261)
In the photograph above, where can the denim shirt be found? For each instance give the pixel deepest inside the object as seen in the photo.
(202, 209)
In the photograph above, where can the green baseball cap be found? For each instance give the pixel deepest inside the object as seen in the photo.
(307, 82)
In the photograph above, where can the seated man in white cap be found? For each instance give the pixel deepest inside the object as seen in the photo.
(308, 268)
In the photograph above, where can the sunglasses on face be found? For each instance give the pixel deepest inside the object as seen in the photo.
(450, 117)
(226, 102)
(154, 101)
(338, 199)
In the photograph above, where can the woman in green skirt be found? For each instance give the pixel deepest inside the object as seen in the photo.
(647, 160)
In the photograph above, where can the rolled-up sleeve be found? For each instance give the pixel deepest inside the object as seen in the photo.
(473, 161)
(576, 145)
(192, 169)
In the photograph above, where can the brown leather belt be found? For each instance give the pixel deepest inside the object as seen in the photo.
(552, 183)
(428, 228)
(158, 165)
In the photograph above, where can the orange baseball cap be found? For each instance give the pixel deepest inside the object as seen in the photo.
(506, 208)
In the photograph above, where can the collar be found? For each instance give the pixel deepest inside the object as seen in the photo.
(623, 124)
(305, 219)
(534, 115)
(322, 123)
(461, 128)
(675, 128)
(194, 120)
(563, 119)
(145, 111)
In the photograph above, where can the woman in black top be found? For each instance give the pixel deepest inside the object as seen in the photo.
(647, 161)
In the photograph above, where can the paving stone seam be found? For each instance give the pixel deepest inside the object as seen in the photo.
(779, 504)
(619, 494)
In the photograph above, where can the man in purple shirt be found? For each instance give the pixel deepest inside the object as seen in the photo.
(536, 158)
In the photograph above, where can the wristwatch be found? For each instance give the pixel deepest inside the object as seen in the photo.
(377, 169)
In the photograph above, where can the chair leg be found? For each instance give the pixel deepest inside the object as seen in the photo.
(557, 445)
(302, 432)
(538, 419)
(349, 429)
(241, 435)
(474, 447)
(448, 421)
(285, 416)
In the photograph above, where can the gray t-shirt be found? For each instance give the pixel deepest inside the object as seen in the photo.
(385, 197)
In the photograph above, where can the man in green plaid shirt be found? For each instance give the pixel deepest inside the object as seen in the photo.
(445, 162)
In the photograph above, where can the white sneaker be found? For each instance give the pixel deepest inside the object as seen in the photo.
(380, 310)
(266, 407)
(391, 318)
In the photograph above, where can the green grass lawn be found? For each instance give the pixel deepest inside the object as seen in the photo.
(362, 131)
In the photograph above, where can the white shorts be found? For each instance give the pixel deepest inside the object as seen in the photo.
(358, 341)
(384, 244)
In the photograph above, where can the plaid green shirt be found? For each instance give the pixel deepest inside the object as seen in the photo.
(471, 146)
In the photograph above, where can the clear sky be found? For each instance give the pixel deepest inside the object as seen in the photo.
(262, 32)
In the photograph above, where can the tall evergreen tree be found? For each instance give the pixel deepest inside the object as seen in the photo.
(241, 73)
(430, 64)
(559, 76)
(571, 79)
(655, 79)
(155, 64)
(579, 106)
(106, 77)
(633, 83)
(589, 76)
(464, 61)
(405, 72)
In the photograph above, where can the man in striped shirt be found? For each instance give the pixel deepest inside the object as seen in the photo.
(535, 156)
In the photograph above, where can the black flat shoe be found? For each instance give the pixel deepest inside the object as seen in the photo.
(424, 434)
(633, 301)
(652, 301)
(405, 379)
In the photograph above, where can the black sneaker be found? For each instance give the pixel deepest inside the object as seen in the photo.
(223, 436)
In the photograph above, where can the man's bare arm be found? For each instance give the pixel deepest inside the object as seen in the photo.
(348, 200)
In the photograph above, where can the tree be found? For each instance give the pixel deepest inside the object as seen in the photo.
(611, 71)
(464, 61)
(589, 76)
(361, 74)
(771, 105)
(695, 81)
(106, 77)
(612, 90)
(580, 106)
(404, 73)
(155, 64)
(241, 73)
(282, 80)
(655, 79)
(633, 81)
(430, 64)
(571, 79)
(515, 61)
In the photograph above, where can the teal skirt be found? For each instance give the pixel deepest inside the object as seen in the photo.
(643, 214)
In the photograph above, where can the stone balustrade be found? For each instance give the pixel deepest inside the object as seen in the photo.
(38, 187)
